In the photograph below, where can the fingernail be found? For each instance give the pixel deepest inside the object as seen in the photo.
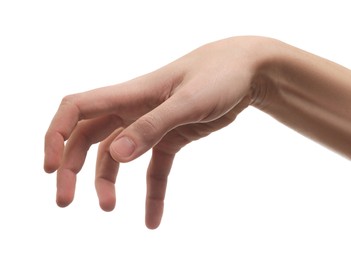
(124, 147)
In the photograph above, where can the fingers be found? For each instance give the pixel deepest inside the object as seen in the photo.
(86, 133)
(149, 129)
(106, 174)
(157, 174)
(130, 100)
(61, 127)
(74, 108)
(163, 156)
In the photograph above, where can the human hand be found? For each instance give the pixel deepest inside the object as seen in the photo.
(164, 110)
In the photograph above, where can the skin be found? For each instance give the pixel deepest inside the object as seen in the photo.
(188, 99)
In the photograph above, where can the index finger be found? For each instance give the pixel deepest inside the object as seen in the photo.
(130, 100)
(73, 108)
(86, 105)
(61, 127)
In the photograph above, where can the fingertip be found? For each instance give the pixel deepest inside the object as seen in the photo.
(53, 150)
(66, 182)
(152, 226)
(122, 149)
(50, 163)
(63, 201)
(106, 194)
(108, 204)
(49, 168)
(64, 196)
(153, 216)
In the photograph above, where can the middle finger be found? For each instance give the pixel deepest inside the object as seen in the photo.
(85, 134)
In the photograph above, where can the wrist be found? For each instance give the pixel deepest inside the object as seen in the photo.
(303, 91)
(267, 59)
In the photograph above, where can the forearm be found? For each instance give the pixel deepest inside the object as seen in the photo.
(307, 93)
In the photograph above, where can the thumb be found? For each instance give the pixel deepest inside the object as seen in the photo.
(148, 130)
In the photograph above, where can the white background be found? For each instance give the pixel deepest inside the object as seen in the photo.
(254, 190)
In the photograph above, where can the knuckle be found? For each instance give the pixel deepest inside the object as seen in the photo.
(70, 103)
(158, 178)
(148, 126)
(69, 99)
(193, 101)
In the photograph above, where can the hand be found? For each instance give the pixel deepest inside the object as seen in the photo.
(164, 110)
